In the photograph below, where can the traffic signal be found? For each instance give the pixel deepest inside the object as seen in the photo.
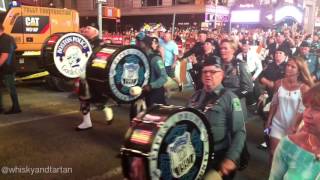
(111, 12)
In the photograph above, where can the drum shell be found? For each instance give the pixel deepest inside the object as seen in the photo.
(47, 56)
(97, 79)
(98, 76)
(144, 149)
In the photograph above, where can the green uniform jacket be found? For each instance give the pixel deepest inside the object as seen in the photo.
(237, 78)
(313, 64)
(226, 109)
(158, 72)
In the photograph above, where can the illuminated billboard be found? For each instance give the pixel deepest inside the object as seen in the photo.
(288, 11)
(245, 16)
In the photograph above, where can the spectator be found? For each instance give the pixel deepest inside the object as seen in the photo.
(7, 70)
(287, 106)
(273, 72)
(170, 55)
(298, 155)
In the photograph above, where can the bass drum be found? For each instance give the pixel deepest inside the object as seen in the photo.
(65, 55)
(111, 73)
(167, 142)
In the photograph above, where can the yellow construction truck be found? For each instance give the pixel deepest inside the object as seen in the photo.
(31, 27)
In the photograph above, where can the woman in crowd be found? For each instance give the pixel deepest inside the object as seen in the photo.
(287, 105)
(298, 155)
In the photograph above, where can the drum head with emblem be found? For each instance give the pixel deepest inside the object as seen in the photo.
(70, 54)
(128, 67)
(180, 149)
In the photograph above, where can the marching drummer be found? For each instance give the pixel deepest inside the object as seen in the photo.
(224, 113)
(85, 95)
(154, 91)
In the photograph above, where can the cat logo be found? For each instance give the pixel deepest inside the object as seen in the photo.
(32, 24)
(32, 21)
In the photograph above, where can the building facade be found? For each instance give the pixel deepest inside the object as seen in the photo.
(187, 12)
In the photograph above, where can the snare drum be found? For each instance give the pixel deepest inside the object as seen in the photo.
(167, 142)
(111, 73)
(66, 54)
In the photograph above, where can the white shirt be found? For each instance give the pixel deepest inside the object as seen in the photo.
(253, 62)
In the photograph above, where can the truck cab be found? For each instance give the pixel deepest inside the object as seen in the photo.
(31, 26)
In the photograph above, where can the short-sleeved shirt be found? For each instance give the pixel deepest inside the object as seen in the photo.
(7, 45)
(170, 50)
(291, 162)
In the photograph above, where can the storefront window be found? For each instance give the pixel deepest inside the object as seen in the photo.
(151, 3)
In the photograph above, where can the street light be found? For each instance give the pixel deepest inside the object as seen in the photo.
(100, 2)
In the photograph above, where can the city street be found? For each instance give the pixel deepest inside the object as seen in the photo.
(44, 136)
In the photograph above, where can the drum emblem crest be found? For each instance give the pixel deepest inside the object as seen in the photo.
(130, 74)
(182, 155)
(71, 54)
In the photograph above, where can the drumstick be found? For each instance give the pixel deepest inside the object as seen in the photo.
(135, 91)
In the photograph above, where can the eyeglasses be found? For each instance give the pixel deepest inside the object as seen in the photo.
(212, 72)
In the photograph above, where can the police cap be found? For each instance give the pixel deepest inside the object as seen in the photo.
(214, 61)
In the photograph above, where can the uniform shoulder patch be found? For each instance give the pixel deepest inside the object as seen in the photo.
(236, 104)
(160, 64)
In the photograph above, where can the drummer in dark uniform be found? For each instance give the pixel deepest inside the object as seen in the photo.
(207, 55)
(88, 94)
(154, 91)
(198, 51)
(92, 34)
(224, 112)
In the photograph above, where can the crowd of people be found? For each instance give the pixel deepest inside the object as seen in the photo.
(271, 73)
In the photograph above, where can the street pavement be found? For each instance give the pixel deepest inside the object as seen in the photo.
(41, 142)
